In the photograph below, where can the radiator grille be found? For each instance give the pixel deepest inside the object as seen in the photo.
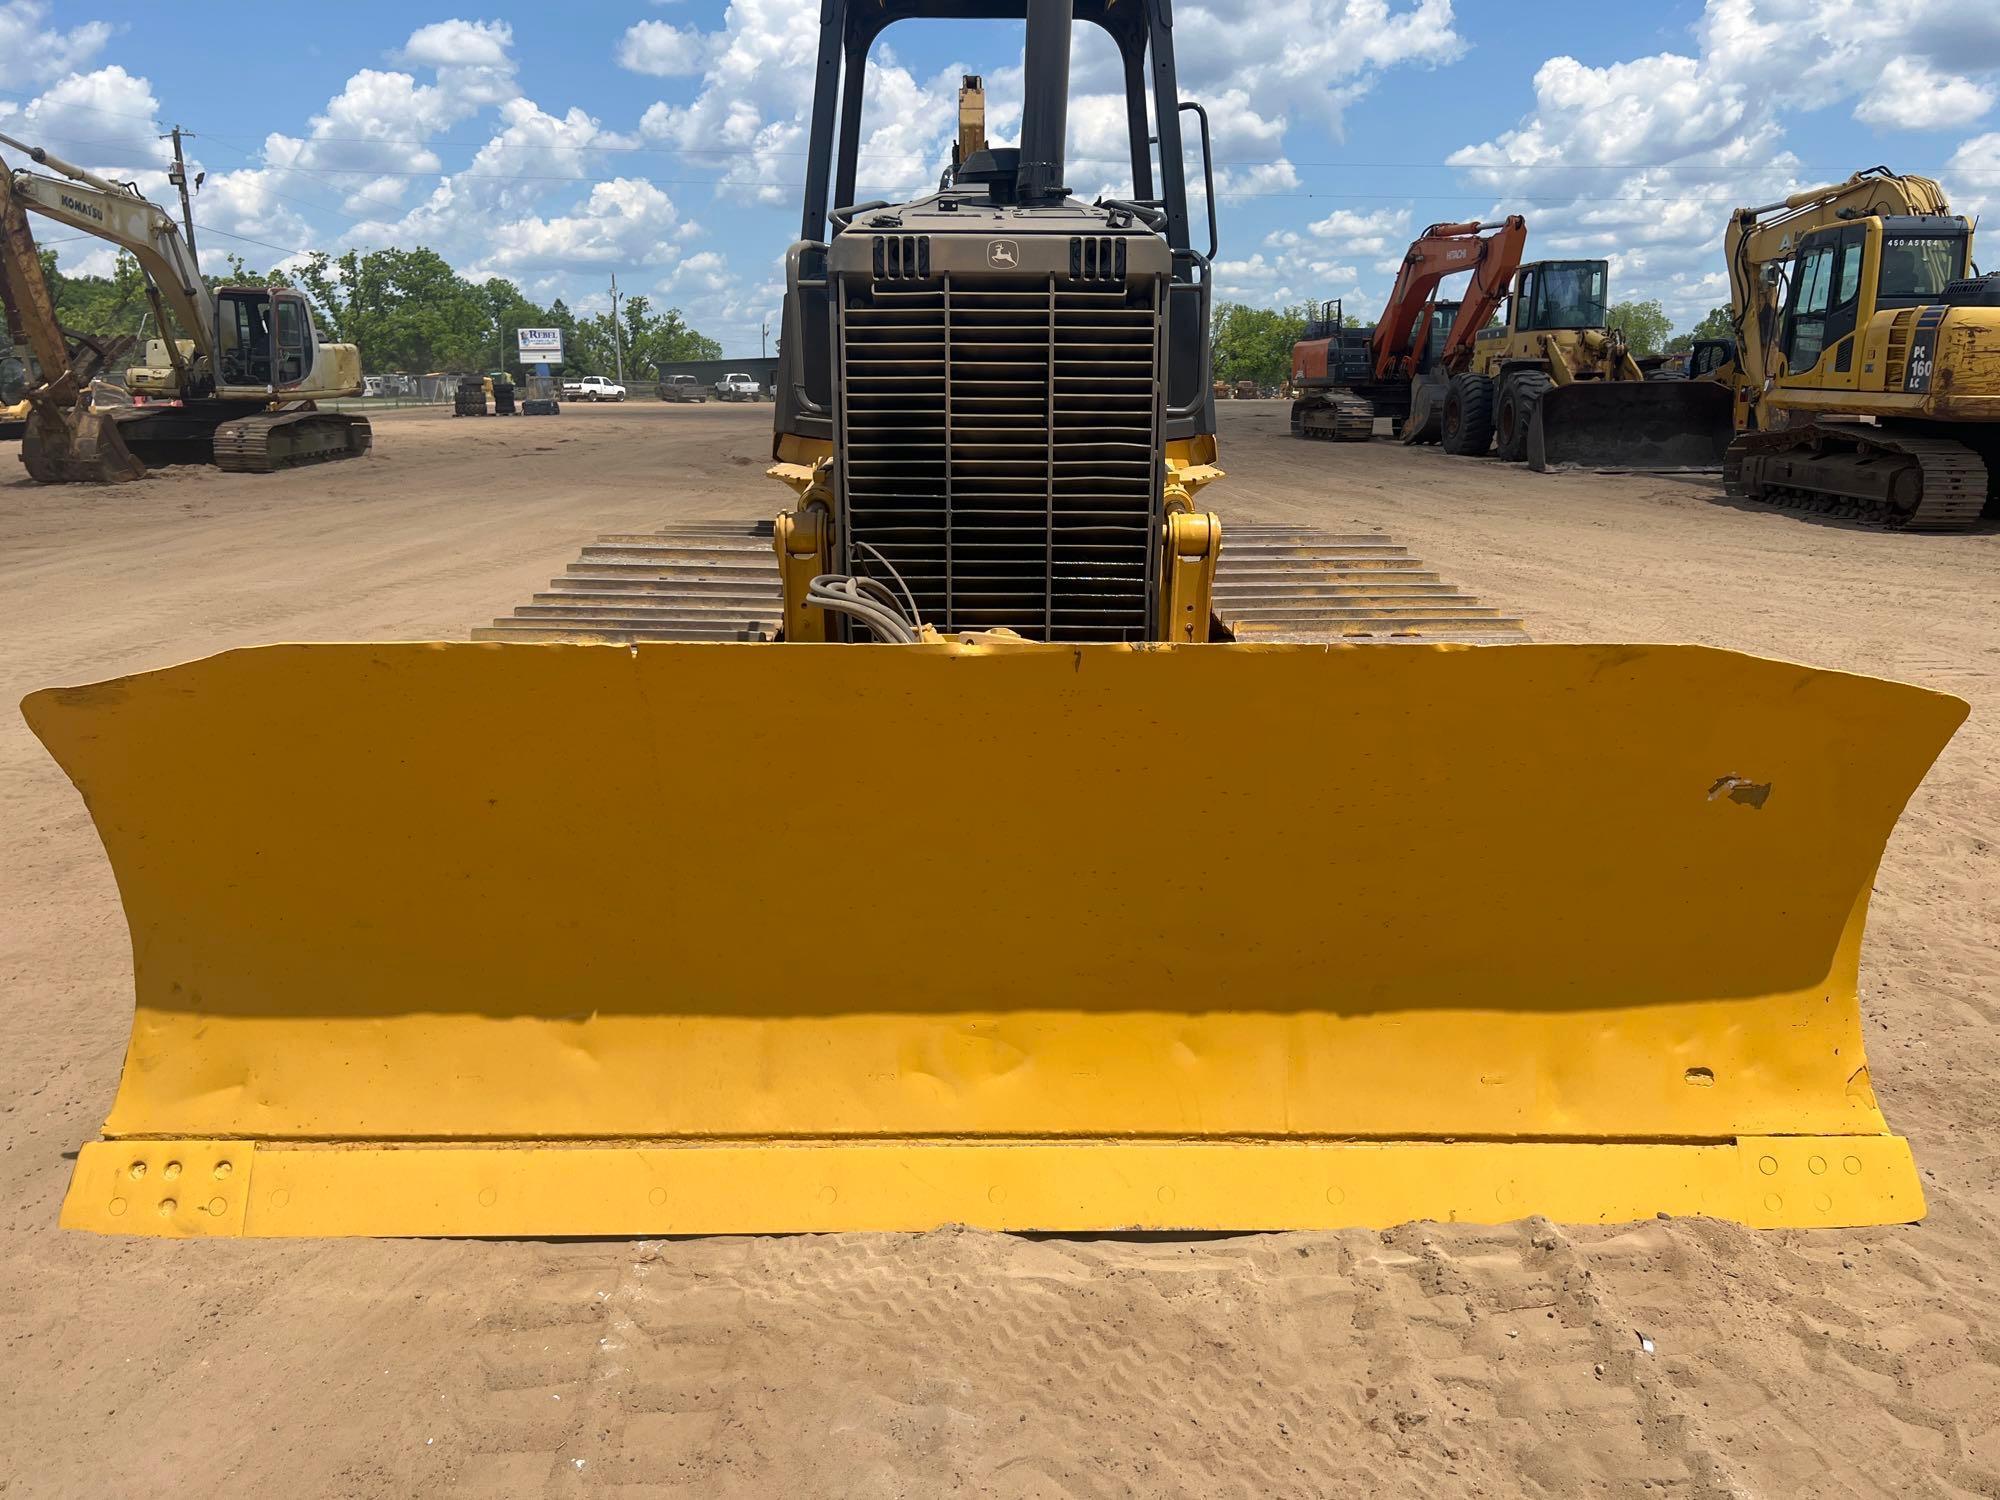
(999, 447)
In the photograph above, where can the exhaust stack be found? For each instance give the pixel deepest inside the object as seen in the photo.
(1044, 103)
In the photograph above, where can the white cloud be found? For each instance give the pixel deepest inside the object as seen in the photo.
(1911, 95)
(1972, 175)
(103, 116)
(33, 52)
(661, 50)
(461, 44)
(623, 222)
(1313, 56)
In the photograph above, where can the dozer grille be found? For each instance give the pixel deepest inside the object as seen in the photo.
(999, 447)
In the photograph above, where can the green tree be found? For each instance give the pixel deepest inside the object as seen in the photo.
(98, 304)
(1714, 324)
(1645, 325)
(1255, 343)
(656, 338)
(407, 309)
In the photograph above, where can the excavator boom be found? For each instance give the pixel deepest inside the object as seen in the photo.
(1490, 252)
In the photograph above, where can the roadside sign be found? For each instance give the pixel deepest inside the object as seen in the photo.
(539, 344)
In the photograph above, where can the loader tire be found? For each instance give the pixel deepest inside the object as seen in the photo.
(1519, 396)
(1468, 416)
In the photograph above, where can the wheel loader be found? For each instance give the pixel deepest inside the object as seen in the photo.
(237, 390)
(1868, 374)
(1030, 877)
(1553, 384)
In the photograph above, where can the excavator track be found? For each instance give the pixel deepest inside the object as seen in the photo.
(274, 440)
(1334, 416)
(1831, 468)
(718, 581)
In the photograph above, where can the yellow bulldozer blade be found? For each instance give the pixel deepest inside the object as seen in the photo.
(512, 939)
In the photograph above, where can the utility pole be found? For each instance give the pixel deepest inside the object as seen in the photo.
(617, 333)
(767, 335)
(178, 176)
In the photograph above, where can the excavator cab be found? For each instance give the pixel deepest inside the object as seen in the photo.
(264, 337)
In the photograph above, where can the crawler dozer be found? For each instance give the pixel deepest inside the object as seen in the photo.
(1868, 378)
(1035, 877)
(238, 390)
(1554, 385)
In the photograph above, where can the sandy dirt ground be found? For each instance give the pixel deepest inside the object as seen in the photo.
(1431, 1359)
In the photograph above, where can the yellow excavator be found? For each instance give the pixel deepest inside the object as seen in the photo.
(1868, 349)
(238, 389)
(1059, 865)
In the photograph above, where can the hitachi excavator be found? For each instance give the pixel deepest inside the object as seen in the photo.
(1346, 378)
(237, 390)
(1005, 888)
(1868, 376)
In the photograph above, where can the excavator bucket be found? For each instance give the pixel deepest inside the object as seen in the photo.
(76, 444)
(1425, 423)
(538, 939)
(1631, 424)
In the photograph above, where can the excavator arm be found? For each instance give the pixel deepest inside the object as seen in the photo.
(31, 311)
(86, 202)
(66, 439)
(1492, 252)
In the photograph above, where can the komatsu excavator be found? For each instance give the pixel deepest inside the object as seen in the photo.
(238, 390)
(1399, 369)
(1012, 885)
(1868, 377)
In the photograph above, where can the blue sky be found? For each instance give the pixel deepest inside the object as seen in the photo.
(556, 145)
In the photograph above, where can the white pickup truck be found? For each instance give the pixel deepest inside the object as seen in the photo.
(592, 388)
(736, 388)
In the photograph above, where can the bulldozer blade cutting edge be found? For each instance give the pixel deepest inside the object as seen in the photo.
(526, 939)
(1631, 424)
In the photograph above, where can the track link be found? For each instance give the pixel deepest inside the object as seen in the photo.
(269, 441)
(1951, 489)
(718, 581)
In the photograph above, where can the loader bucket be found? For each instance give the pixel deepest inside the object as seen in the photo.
(509, 940)
(1631, 424)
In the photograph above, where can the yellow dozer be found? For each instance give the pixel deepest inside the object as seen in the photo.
(1060, 866)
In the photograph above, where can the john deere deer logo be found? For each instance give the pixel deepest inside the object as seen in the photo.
(1004, 254)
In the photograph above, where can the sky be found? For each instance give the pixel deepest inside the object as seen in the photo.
(558, 145)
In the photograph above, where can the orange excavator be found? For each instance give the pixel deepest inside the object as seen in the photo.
(1400, 368)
